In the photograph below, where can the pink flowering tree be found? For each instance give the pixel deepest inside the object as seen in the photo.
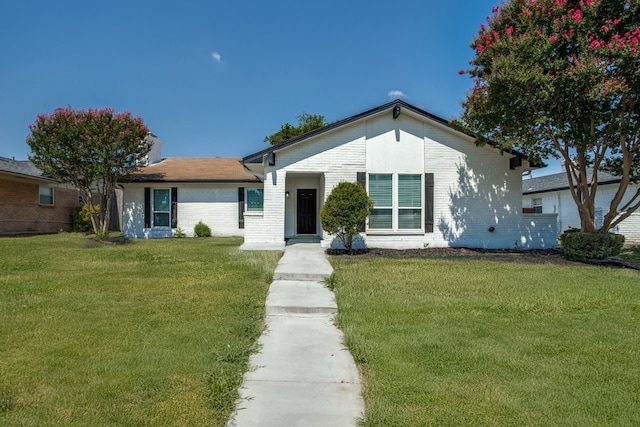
(92, 150)
(561, 78)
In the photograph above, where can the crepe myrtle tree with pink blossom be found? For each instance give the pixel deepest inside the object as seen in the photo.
(91, 149)
(561, 78)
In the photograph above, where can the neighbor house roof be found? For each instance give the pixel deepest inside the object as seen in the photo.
(195, 169)
(396, 106)
(559, 181)
(22, 168)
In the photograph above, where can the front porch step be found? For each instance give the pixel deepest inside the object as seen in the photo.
(303, 239)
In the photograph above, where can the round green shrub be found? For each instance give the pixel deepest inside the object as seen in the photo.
(345, 212)
(578, 245)
(202, 230)
(80, 218)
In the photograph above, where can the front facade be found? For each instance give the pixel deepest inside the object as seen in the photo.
(32, 203)
(550, 194)
(431, 185)
(174, 194)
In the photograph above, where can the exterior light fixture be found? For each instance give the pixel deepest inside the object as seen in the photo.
(287, 195)
(396, 111)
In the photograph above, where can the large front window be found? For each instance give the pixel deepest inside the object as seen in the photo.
(397, 202)
(381, 192)
(161, 208)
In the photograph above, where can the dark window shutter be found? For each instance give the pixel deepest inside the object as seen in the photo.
(428, 205)
(240, 207)
(147, 207)
(361, 177)
(174, 207)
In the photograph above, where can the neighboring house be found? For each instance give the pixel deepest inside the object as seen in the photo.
(550, 194)
(431, 185)
(177, 193)
(31, 203)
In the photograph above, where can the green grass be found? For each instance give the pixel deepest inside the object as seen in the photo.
(445, 342)
(154, 332)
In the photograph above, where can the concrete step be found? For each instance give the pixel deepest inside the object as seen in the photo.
(300, 297)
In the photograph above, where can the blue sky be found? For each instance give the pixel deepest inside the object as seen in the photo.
(213, 78)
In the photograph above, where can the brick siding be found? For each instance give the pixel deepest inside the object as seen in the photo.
(21, 213)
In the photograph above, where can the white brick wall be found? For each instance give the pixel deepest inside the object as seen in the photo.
(474, 188)
(266, 230)
(216, 205)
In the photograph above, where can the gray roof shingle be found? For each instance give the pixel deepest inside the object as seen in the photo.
(559, 181)
(22, 167)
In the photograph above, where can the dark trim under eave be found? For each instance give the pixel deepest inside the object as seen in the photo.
(197, 181)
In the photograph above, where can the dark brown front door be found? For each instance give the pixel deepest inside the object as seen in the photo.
(306, 211)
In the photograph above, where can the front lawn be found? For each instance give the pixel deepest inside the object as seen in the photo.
(154, 332)
(471, 342)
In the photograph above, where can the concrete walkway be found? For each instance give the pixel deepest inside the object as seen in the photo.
(303, 375)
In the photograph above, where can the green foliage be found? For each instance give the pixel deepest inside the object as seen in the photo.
(179, 233)
(345, 212)
(306, 123)
(90, 149)
(579, 245)
(631, 253)
(81, 217)
(202, 230)
(560, 78)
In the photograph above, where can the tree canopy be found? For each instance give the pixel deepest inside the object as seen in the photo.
(561, 78)
(306, 123)
(92, 150)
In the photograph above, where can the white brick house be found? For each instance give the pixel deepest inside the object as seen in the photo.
(432, 186)
(550, 194)
(177, 193)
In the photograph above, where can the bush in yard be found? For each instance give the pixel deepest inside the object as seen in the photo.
(345, 212)
(81, 217)
(579, 245)
(202, 230)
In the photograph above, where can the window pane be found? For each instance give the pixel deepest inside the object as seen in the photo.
(537, 205)
(410, 191)
(381, 218)
(410, 219)
(46, 195)
(255, 199)
(380, 190)
(161, 200)
(160, 219)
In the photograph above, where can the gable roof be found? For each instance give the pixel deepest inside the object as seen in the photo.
(559, 181)
(258, 156)
(194, 169)
(22, 168)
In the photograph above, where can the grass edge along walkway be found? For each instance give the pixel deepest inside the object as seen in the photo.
(153, 332)
(472, 342)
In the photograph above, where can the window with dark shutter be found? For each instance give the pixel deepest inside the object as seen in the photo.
(174, 207)
(147, 207)
(428, 195)
(241, 207)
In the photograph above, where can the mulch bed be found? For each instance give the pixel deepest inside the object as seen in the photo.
(534, 256)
